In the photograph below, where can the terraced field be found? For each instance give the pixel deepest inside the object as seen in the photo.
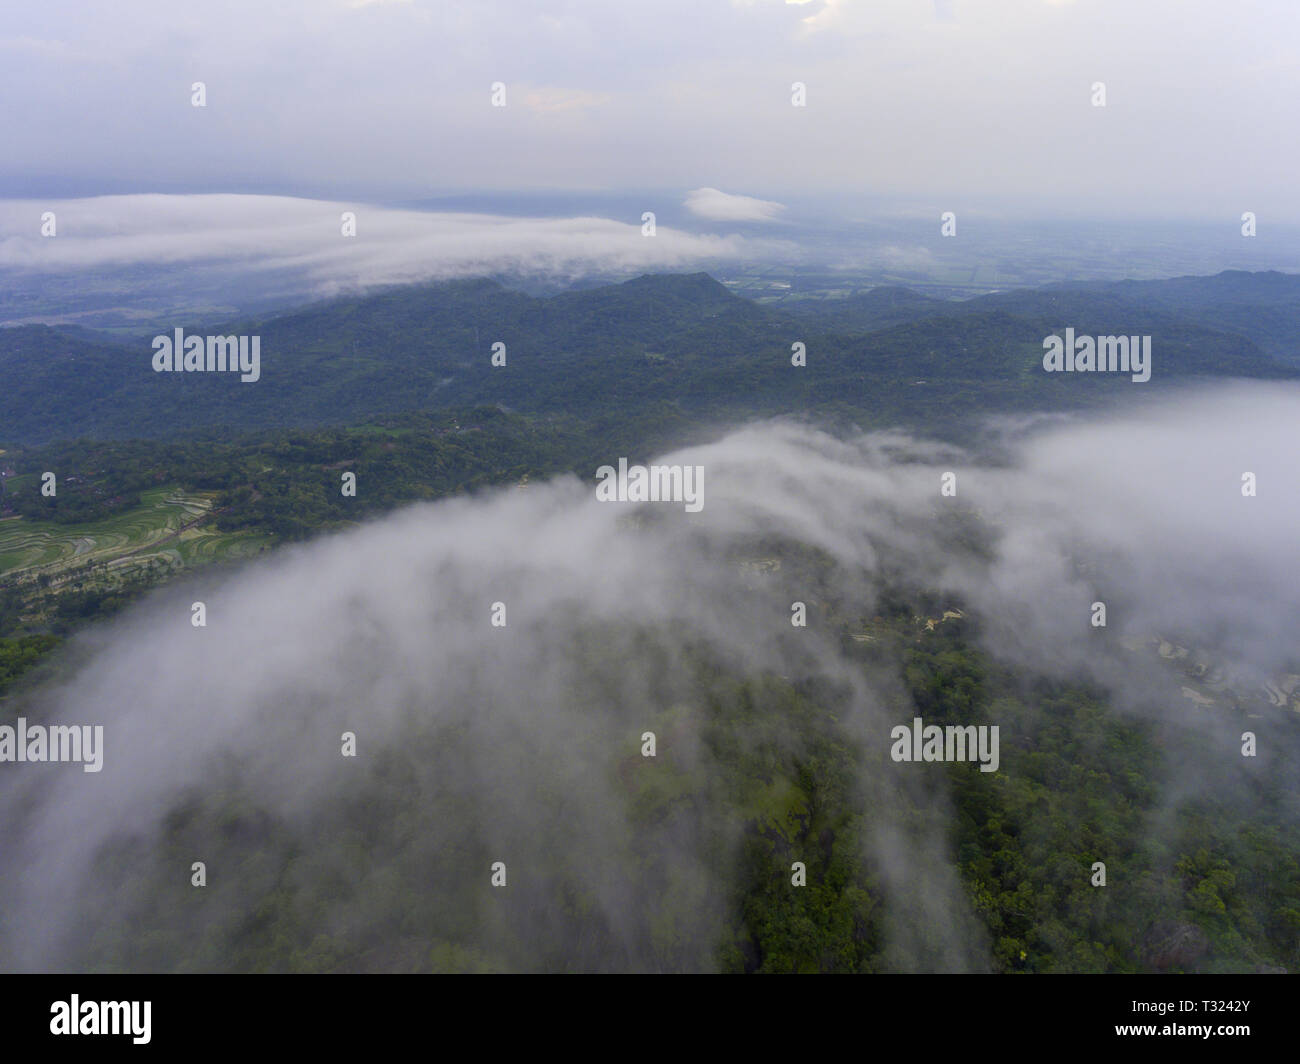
(167, 526)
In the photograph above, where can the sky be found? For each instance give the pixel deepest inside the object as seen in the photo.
(931, 104)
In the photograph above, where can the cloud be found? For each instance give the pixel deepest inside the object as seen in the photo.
(725, 207)
(484, 743)
(266, 234)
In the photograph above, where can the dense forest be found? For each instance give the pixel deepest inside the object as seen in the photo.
(779, 780)
(398, 389)
(683, 341)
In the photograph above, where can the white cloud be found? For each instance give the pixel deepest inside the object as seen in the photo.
(391, 246)
(366, 631)
(725, 207)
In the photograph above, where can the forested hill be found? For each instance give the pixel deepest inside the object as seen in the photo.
(681, 340)
(1265, 307)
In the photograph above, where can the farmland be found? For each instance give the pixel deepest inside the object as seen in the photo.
(168, 531)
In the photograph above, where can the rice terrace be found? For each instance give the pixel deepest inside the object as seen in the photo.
(167, 530)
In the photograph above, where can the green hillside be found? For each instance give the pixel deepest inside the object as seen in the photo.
(681, 340)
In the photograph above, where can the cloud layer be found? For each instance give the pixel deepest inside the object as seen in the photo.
(270, 233)
(725, 206)
(504, 743)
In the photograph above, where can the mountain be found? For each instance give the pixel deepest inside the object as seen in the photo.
(1264, 306)
(681, 342)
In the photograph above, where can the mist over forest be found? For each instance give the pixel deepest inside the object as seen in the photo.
(523, 742)
(702, 486)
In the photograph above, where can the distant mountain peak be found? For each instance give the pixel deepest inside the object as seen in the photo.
(679, 282)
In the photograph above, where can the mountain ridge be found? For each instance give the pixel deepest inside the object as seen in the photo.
(683, 339)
